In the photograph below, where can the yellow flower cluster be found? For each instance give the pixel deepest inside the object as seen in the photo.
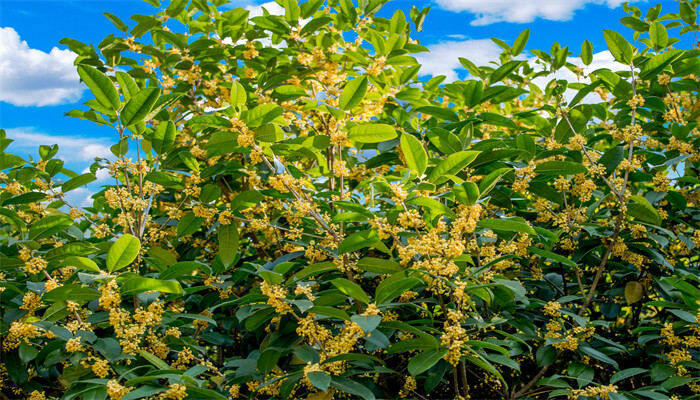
(597, 392)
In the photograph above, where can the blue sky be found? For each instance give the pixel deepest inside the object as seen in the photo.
(38, 83)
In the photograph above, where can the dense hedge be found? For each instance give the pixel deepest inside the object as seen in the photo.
(292, 213)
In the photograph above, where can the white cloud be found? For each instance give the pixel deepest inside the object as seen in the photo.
(603, 59)
(30, 77)
(101, 175)
(443, 58)
(520, 11)
(271, 7)
(79, 197)
(70, 148)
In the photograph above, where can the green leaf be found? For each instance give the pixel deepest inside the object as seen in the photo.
(292, 11)
(371, 133)
(619, 47)
(101, 87)
(658, 34)
(83, 263)
(228, 243)
(503, 71)
(156, 361)
(139, 106)
(590, 351)
(423, 361)
(634, 291)
(626, 373)
(467, 193)
(390, 289)
(127, 85)
(78, 181)
(352, 387)
(353, 93)
(358, 240)
(587, 52)
(189, 224)
(176, 7)
(348, 10)
(688, 13)
(238, 94)
(116, 21)
(508, 225)
(140, 284)
(72, 292)
(320, 379)
(368, 323)
(123, 252)
(329, 312)
(351, 289)
(641, 209)
(520, 43)
(163, 137)
(378, 265)
(414, 153)
(439, 112)
(181, 269)
(452, 165)
(49, 225)
(560, 168)
(473, 93)
(263, 114)
(658, 63)
(434, 206)
(552, 256)
(490, 180)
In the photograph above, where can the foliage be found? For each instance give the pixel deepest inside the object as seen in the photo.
(294, 214)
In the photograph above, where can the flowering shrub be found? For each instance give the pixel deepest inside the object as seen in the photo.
(293, 214)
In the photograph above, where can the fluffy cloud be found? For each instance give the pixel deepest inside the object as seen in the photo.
(77, 148)
(30, 77)
(271, 7)
(603, 59)
(443, 57)
(490, 11)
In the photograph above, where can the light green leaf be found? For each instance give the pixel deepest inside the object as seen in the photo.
(658, 34)
(101, 87)
(452, 165)
(140, 284)
(640, 208)
(587, 52)
(371, 133)
(123, 252)
(163, 137)
(238, 94)
(353, 93)
(78, 181)
(560, 168)
(520, 42)
(414, 153)
(139, 106)
(72, 292)
(263, 114)
(619, 47)
(83, 263)
(509, 225)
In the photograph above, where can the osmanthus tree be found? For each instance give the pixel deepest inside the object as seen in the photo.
(293, 214)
